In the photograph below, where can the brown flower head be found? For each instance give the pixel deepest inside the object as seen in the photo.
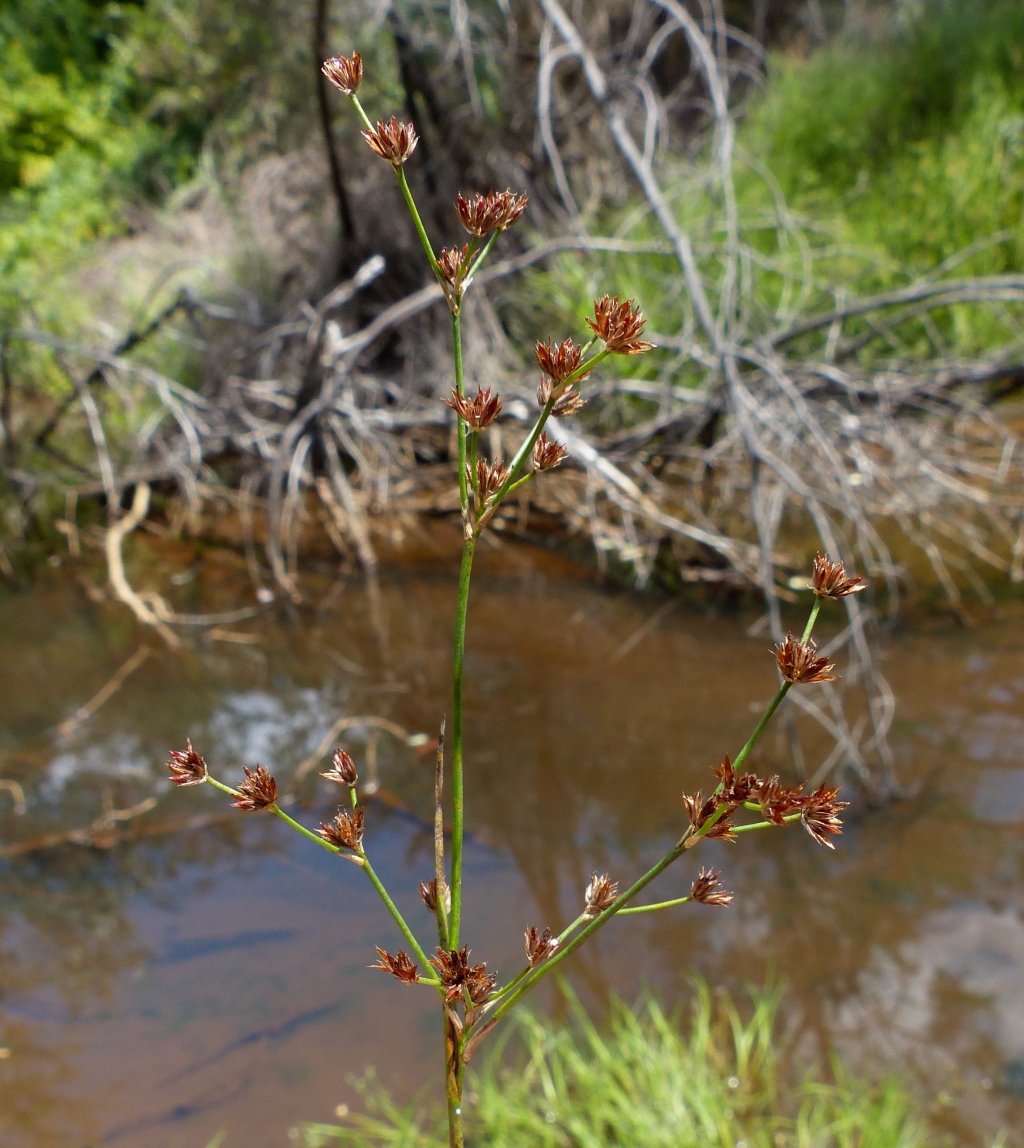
(478, 411)
(428, 891)
(707, 889)
(539, 946)
(778, 801)
(398, 966)
(345, 831)
(820, 815)
(736, 787)
(452, 265)
(618, 326)
(800, 664)
(567, 403)
(392, 140)
(490, 477)
(344, 72)
(458, 975)
(343, 769)
(558, 361)
(698, 810)
(495, 211)
(600, 893)
(830, 581)
(257, 790)
(547, 453)
(187, 767)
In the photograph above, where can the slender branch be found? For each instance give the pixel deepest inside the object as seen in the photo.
(400, 921)
(421, 231)
(651, 908)
(458, 809)
(439, 874)
(460, 386)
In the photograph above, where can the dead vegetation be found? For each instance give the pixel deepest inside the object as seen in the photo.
(779, 436)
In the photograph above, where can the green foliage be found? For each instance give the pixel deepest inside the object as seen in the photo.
(649, 1081)
(915, 146)
(894, 158)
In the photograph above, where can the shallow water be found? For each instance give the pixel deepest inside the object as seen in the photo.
(191, 977)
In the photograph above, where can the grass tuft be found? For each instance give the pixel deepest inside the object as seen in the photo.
(649, 1081)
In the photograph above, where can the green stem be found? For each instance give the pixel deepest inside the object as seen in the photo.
(776, 701)
(481, 257)
(460, 385)
(530, 441)
(458, 660)
(400, 921)
(789, 819)
(421, 231)
(651, 908)
(812, 618)
(584, 935)
(472, 437)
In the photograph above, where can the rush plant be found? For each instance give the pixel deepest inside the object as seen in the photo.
(471, 1000)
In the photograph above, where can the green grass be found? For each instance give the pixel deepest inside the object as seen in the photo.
(651, 1081)
(894, 155)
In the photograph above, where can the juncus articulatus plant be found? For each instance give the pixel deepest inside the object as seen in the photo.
(471, 999)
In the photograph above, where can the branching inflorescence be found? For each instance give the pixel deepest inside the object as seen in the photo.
(472, 1000)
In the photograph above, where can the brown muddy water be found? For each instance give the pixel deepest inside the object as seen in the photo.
(191, 978)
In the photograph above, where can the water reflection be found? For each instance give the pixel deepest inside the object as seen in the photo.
(205, 971)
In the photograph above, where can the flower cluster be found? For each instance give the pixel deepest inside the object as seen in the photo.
(477, 411)
(830, 581)
(392, 140)
(257, 790)
(800, 664)
(712, 817)
(707, 889)
(568, 402)
(460, 978)
(343, 769)
(186, 766)
(539, 946)
(547, 453)
(490, 477)
(399, 966)
(345, 831)
(345, 72)
(618, 326)
(495, 211)
(600, 893)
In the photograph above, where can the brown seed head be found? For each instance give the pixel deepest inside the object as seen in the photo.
(452, 265)
(539, 946)
(707, 889)
(698, 810)
(187, 767)
(398, 966)
(345, 72)
(257, 791)
(736, 788)
(343, 769)
(560, 360)
(495, 211)
(778, 801)
(600, 893)
(618, 326)
(458, 975)
(567, 403)
(800, 664)
(547, 453)
(345, 831)
(820, 815)
(478, 411)
(392, 140)
(428, 891)
(830, 581)
(490, 477)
